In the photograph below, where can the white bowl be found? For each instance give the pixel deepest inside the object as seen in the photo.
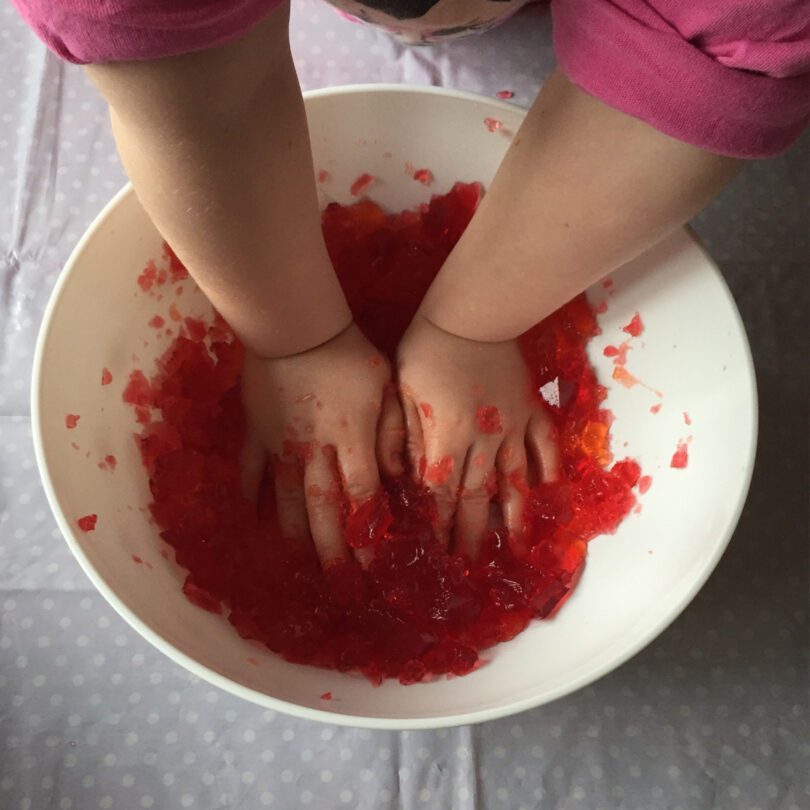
(636, 582)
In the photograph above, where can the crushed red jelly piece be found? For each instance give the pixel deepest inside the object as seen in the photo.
(635, 327)
(686, 418)
(324, 176)
(197, 330)
(138, 390)
(618, 353)
(148, 277)
(137, 560)
(492, 124)
(106, 376)
(427, 409)
(424, 176)
(71, 420)
(505, 94)
(201, 597)
(326, 696)
(655, 408)
(111, 461)
(361, 184)
(416, 611)
(177, 270)
(644, 483)
(439, 472)
(156, 322)
(369, 523)
(488, 419)
(680, 458)
(87, 523)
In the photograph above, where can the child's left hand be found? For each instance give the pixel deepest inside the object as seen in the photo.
(474, 429)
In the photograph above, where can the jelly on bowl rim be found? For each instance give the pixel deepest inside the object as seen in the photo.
(607, 659)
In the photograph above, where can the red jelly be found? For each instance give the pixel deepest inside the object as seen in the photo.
(416, 611)
(87, 523)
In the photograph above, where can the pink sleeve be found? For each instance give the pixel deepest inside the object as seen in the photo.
(92, 31)
(730, 76)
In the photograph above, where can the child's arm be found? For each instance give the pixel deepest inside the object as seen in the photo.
(583, 189)
(216, 145)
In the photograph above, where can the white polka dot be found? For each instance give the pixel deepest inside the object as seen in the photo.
(186, 800)
(425, 795)
(326, 776)
(147, 801)
(248, 778)
(127, 780)
(346, 796)
(266, 799)
(168, 779)
(306, 797)
(267, 755)
(249, 735)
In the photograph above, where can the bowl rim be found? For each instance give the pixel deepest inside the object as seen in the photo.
(322, 715)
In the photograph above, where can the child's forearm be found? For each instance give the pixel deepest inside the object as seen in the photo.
(583, 189)
(217, 148)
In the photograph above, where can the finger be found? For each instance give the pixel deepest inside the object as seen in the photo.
(361, 482)
(542, 442)
(478, 485)
(391, 436)
(288, 476)
(511, 464)
(442, 477)
(252, 465)
(324, 500)
(414, 438)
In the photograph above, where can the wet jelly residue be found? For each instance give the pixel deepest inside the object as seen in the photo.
(87, 523)
(416, 611)
(71, 420)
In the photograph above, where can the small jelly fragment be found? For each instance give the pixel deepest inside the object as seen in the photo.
(156, 322)
(71, 420)
(427, 409)
(618, 353)
(87, 523)
(601, 308)
(136, 559)
(424, 176)
(361, 184)
(644, 483)
(505, 94)
(635, 327)
(680, 458)
(201, 597)
(324, 176)
(488, 419)
(106, 376)
(326, 696)
(686, 418)
(369, 522)
(493, 124)
(623, 376)
(439, 472)
(111, 461)
(174, 312)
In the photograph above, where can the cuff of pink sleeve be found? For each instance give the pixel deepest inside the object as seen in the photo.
(641, 66)
(90, 32)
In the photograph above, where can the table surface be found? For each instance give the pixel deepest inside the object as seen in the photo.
(713, 714)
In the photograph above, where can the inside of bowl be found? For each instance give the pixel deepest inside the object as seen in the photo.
(693, 352)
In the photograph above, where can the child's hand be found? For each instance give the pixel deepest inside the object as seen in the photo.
(474, 428)
(330, 421)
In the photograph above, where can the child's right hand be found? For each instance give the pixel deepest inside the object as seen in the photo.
(329, 421)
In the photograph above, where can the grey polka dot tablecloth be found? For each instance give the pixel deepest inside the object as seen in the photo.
(712, 715)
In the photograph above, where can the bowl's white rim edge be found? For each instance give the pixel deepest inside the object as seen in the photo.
(361, 721)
